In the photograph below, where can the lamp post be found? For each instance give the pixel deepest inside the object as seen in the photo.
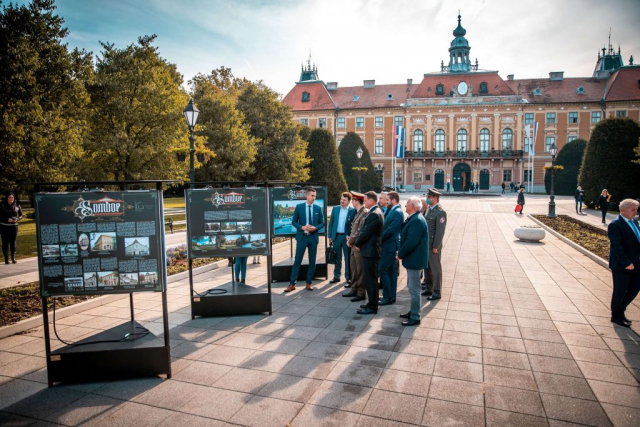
(191, 113)
(552, 204)
(359, 154)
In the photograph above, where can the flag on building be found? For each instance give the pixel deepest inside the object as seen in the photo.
(398, 141)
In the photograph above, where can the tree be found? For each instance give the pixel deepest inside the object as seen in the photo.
(224, 133)
(608, 161)
(136, 118)
(42, 96)
(348, 147)
(566, 180)
(281, 151)
(325, 164)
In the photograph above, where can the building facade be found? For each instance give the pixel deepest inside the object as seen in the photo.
(464, 124)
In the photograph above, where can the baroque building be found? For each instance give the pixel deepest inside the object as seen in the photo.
(464, 124)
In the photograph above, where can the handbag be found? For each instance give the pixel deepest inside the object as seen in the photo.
(518, 208)
(330, 254)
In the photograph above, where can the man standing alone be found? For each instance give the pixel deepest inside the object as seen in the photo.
(339, 229)
(370, 249)
(390, 239)
(437, 223)
(624, 260)
(357, 278)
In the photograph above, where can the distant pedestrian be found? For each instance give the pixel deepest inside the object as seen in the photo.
(521, 200)
(241, 268)
(477, 186)
(579, 197)
(603, 204)
(471, 187)
(256, 260)
(503, 187)
(10, 214)
(448, 187)
(512, 186)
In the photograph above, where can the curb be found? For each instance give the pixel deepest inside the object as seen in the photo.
(604, 263)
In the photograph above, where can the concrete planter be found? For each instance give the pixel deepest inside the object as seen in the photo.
(529, 234)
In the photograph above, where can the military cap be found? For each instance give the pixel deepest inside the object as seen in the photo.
(433, 192)
(357, 196)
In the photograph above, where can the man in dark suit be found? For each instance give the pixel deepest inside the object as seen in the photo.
(308, 219)
(369, 243)
(624, 260)
(339, 229)
(393, 220)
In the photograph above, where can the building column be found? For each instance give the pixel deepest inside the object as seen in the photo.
(474, 133)
(518, 143)
(428, 142)
(496, 131)
(452, 140)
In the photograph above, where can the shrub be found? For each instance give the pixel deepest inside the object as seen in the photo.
(566, 180)
(325, 164)
(347, 150)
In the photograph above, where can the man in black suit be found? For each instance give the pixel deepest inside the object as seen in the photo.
(370, 245)
(624, 260)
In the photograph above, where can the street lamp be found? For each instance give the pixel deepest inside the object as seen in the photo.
(191, 113)
(552, 204)
(359, 154)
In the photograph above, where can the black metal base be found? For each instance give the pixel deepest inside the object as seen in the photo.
(281, 272)
(132, 358)
(239, 299)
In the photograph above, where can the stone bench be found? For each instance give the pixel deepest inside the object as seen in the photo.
(529, 233)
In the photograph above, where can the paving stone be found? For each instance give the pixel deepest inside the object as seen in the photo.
(404, 382)
(31, 405)
(461, 338)
(503, 343)
(395, 406)
(541, 335)
(617, 394)
(312, 415)
(180, 419)
(23, 366)
(127, 389)
(314, 321)
(216, 403)
(202, 373)
(323, 350)
(346, 397)
(501, 330)
(514, 400)
(460, 352)
(629, 359)
(245, 380)
(563, 385)
(411, 363)
(289, 387)
(543, 348)
(613, 374)
(554, 365)
(367, 356)
(574, 410)
(512, 419)
(223, 355)
(605, 357)
(309, 367)
(336, 337)
(266, 361)
(622, 416)
(250, 341)
(456, 391)
(526, 322)
(455, 369)
(86, 408)
(362, 375)
(131, 413)
(13, 420)
(285, 345)
(279, 412)
(463, 315)
(507, 359)
(443, 413)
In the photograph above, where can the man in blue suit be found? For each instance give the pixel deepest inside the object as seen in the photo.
(388, 269)
(339, 229)
(308, 220)
(624, 260)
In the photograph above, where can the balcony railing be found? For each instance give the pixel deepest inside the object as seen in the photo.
(505, 154)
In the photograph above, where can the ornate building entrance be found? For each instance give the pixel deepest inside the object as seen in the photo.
(461, 177)
(484, 179)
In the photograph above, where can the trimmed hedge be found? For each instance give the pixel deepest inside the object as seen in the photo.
(349, 160)
(566, 180)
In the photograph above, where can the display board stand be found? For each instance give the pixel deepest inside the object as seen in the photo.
(231, 298)
(117, 352)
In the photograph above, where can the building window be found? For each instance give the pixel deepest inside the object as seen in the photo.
(528, 118)
(439, 141)
(378, 146)
(507, 139)
(399, 176)
(551, 118)
(462, 140)
(339, 141)
(485, 140)
(572, 138)
(341, 122)
(596, 116)
(621, 113)
(359, 122)
(549, 141)
(356, 98)
(417, 175)
(390, 97)
(484, 88)
(418, 141)
(304, 122)
(573, 117)
(305, 96)
(379, 121)
(506, 175)
(527, 175)
(440, 89)
(397, 120)
(322, 123)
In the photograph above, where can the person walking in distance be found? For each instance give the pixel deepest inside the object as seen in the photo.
(339, 229)
(503, 187)
(369, 244)
(624, 260)
(579, 196)
(448, 186)
(357, 292)
(308, 221)
(388, 269)
(521, 199)
(10, 214)
(603, 204)
(414, 254)
(436, 219)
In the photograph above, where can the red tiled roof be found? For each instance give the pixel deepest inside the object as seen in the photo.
(624, 85)
(374, 97)
(493, 81)
(319, 98)
(559, 90)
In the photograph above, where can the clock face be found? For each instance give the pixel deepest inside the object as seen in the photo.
(463, 88)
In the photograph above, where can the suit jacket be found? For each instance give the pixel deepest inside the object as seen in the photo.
(299, 220)
(437, 223)
(414, 243)
(370, 236)
(356, 225)
(335, 218)
(391, 230)
(625, 247)
(521, 198)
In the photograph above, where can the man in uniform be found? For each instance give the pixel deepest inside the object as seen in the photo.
(357, 292)
(437, 222)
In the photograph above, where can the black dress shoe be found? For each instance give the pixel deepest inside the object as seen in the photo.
(406, 315)
(620, 321)
(434, 296)
(411, 322)
(356, 299)
(363, 305)
(348, 285)
(350, 295)
(348, 282)
(426, 294)
(385, 301)
(334, 280)
(626, 320)
(367, 311)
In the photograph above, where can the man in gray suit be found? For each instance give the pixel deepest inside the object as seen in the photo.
(370, 246)
(437, 222)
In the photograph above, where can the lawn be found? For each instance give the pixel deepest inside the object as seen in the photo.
(174, 202)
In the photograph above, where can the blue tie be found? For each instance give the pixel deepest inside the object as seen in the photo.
(309, 217)
(634, 227)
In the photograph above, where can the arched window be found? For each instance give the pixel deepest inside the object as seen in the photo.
(439, 141)
(440, 89)
(484, 88)
(305, 96)
(462, 140)
(507, 139)
(485, 140)
(418, 141)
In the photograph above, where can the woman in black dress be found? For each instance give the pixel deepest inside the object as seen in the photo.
(10, 214)
(521, 199)
(603, 203)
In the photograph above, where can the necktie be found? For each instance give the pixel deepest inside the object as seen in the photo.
(634, 227)
(309, 217)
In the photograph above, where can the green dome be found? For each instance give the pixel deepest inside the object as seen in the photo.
(459, 31)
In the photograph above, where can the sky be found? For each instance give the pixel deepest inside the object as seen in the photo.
(388, 41)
